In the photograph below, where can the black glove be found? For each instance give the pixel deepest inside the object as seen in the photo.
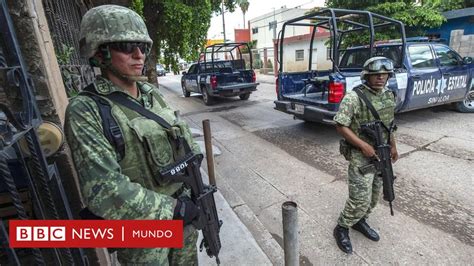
(185, 210)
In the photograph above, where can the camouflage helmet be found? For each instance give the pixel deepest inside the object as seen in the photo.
(377, 65)
(110, 23)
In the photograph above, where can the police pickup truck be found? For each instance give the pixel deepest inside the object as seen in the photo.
(426, 73)
(221, 72)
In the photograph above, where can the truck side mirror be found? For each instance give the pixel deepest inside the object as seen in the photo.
(467, 60)
(184, 72)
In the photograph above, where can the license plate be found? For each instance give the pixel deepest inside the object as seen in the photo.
(236, 90)
(299, 108)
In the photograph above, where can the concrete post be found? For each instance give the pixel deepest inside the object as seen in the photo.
(290, 233)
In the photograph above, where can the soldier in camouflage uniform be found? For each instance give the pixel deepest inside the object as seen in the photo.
(365, 184)
(115, 39)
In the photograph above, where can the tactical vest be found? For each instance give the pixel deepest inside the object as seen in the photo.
(143, 146)
(384, 107)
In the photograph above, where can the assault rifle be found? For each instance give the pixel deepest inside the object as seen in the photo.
(382, 161)
(187, 170)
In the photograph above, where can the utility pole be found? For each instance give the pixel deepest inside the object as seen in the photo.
(223, 20)
(275, 25)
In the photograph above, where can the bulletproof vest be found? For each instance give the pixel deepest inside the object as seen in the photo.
(143, 146)
(384, 106)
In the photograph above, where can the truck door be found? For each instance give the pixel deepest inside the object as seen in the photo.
(423, 77)
(191, 78)
(455, 74)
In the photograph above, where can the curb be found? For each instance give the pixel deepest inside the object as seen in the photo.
(261, 235)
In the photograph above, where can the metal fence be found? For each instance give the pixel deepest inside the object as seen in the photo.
(29, 186)
(64, 20)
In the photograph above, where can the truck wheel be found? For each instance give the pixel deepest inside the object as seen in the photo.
(208, 100)
(185, 92)
(244, 96)
(466, 106)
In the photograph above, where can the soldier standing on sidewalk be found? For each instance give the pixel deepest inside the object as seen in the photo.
(117, 151)
(365, 184)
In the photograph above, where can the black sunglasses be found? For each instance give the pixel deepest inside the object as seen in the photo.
(129, 47)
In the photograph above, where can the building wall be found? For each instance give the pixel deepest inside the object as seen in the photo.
(462, 43)
(319, 60)
(464, 23)
(242, 35)
(458, 30)
(265, 35)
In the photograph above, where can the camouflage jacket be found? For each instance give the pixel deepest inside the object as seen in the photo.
(125, 189)
(353, 112)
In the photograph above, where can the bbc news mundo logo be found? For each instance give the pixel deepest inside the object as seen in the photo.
(41, 233)
(96, 233)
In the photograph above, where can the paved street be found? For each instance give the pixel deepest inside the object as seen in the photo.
(268, 158)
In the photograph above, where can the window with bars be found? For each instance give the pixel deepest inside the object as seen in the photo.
(299, 55)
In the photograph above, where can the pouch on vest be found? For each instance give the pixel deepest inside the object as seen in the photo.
(156, 143)
(345, 149)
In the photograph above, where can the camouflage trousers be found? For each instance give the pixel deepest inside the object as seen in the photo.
(364, 193)
(161, 256)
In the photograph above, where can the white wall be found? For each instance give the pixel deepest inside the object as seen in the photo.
(265, 36)
(463, 44)
(319, 60)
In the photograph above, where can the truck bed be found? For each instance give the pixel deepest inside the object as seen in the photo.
(309, 98)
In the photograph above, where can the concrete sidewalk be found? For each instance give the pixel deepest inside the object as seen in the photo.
(239, 246)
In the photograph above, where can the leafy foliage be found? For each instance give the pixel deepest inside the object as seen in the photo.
(446, 5)
(178, 28)
(415, 16)
(64, 55)
(251, 45)
(137, 6)
(244, 6)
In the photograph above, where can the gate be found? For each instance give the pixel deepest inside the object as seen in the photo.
(64, 19)
(27, 182)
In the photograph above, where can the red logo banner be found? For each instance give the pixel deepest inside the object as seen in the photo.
(96, 233)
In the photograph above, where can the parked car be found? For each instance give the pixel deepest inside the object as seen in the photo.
(427, 73)
(220, 78)
(160, 70)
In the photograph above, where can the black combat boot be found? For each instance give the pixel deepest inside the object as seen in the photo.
(342, 239)
(365, 229)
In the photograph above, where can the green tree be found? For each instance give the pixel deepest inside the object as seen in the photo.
(415, 16)
(244, 6)
(178, 27)
(252, 45)
(447, 5)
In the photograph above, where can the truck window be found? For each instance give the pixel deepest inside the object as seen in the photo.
(446, 56)
(355, 58)
(192, 69)
(421, 56)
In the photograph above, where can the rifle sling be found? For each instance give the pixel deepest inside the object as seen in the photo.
(121, 99)
(373, 111)
(368, 103)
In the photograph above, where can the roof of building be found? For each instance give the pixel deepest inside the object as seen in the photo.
(459, 13)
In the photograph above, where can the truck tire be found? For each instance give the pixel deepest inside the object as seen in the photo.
(208, 100)
(466, 106)
(244, 97)
(185, 92)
